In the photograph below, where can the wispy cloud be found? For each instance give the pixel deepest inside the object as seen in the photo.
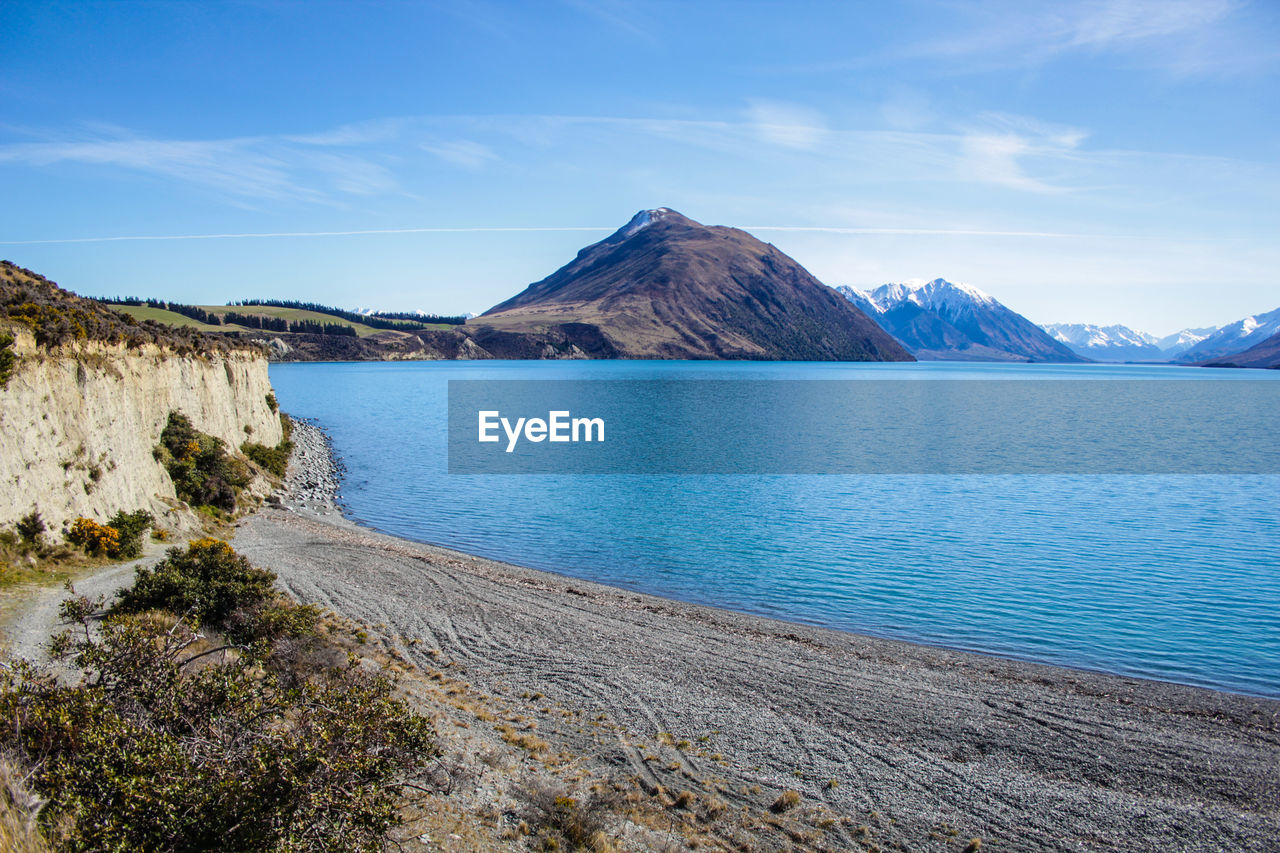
(783, 145)
(462, 152)
(268, 167)
(622, 15)
(479, 229)
(1181, 36)
(787, 125)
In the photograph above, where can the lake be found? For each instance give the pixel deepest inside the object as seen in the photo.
(1169, 576)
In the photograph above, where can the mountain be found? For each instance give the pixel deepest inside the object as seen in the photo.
(938, 320)
(1264, 354)
(1179, 342)
(1234, 338)
(664, 286)
(1107, 343)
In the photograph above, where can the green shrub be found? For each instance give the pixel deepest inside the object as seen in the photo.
(271, 402)
(274, 459)
(208, 580)
(202, 472)
(130, 526)
(148, 753)
(8, 359)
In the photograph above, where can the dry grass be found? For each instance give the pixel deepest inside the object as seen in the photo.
(786, 801)
(18, 810)
(525, 741)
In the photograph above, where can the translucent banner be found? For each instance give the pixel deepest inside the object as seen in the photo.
(864, 427)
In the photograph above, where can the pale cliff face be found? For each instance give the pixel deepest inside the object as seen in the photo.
(79, 428)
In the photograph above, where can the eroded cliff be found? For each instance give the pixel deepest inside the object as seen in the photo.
(81, 422)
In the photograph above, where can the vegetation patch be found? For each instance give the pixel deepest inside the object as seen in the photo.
(56, 316)
(8, 359)
(273, 459)
(214, 587)
(184, 739)
(203, 474)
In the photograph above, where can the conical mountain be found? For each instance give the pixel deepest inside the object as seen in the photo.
(664, 286)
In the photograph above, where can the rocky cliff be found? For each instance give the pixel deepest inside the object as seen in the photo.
(85, 393)
(80, 425)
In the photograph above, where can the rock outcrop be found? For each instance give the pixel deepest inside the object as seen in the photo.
(80, 423)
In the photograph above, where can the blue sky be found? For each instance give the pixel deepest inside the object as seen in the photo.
(1107, 161)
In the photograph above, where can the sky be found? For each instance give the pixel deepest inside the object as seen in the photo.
(1111, 161)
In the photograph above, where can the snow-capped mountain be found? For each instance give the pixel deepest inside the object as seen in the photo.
(1264, 354)
(1107, 343)
(1234, 337)
(941, 320)
(1179, 342)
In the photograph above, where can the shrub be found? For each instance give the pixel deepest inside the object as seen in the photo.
(786, 801)
(150, 753)
(202, 472)
(274, 459)
(31, 527)
(130, 526)
(560, 819)
(94, 538)
(271, 402)
(208, 580)
(8, 359)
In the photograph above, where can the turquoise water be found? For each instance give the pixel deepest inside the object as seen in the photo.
(1175, 577)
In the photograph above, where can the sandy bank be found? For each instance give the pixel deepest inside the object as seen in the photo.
(922, 741)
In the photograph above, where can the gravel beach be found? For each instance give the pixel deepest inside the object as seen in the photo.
(1023, 756)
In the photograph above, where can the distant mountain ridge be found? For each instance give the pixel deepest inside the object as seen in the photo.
(665, 286)
(1263, 354)
(1122, 343)
(1234, 338)
(1107, 343)
(939, 320)
(1183, 340)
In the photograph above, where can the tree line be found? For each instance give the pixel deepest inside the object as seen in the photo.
(396, 320)
(393, 320)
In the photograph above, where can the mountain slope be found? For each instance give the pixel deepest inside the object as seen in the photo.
(938, 320)
(1179, 342)
(1106, 343)
(664, 286)
(1234, 338)
(1263, 354)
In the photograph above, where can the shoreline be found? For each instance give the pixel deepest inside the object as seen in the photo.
(321, 465)
(1029, 754)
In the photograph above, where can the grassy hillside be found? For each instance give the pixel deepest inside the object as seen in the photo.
(56, 316)
(293, 315)
(168, 318)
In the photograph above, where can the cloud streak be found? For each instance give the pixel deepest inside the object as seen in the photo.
(1180, 36)
(266, 167)
(500, 229)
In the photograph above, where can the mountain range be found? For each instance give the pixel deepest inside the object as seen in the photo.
(665, 286)
(941, 321)
(1107, 343)
(1263, 354)
(1122, 343)
(1233, 338)
(1212, 344)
